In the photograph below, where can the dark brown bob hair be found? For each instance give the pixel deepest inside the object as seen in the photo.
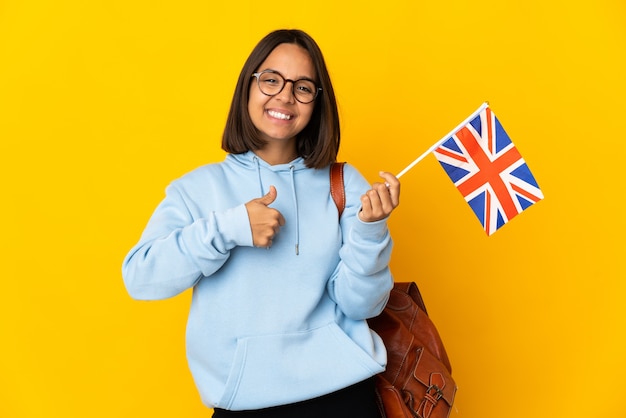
(318, 143)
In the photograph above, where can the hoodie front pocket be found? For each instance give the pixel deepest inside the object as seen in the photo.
(278, 369)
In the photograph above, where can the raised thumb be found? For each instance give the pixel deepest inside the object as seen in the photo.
(269, 197)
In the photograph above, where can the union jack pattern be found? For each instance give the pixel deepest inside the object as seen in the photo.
(486, 167)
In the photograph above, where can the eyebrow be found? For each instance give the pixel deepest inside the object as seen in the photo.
(297, 79)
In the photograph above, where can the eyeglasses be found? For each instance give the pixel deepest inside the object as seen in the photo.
(272, 82)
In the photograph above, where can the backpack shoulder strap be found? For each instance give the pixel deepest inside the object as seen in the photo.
(337, 190)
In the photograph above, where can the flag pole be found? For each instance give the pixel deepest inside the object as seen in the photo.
(448, 135)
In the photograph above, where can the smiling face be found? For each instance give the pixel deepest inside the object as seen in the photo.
(281, 118)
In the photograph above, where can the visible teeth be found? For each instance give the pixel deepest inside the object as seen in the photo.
(278, 115)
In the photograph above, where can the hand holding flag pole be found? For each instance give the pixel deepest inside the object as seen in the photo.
(448, 135)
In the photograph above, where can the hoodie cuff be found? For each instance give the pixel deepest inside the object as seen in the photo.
(234, 226)
(372, 231)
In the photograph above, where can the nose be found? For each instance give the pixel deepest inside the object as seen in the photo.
(286, 94)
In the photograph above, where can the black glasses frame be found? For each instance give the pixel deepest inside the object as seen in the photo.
(293, 84)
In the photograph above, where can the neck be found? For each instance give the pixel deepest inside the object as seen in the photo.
(277, 155)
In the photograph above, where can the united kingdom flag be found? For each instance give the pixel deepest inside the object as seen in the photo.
(484, 164)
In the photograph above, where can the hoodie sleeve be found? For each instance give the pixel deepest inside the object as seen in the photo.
(176, 249)
(362, 280)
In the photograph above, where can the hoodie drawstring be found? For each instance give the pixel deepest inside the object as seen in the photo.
(258, 173)
(295, 204)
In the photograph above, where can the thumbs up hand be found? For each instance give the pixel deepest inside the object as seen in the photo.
(265, 222)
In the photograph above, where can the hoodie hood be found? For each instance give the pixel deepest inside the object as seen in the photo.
(252, 161)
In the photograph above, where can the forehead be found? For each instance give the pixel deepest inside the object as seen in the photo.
(291, 60)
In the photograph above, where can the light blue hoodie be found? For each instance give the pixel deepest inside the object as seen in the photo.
(268, 326)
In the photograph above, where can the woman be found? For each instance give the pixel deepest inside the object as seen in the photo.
(281, 287)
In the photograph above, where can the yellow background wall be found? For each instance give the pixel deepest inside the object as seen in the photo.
(102, 103)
